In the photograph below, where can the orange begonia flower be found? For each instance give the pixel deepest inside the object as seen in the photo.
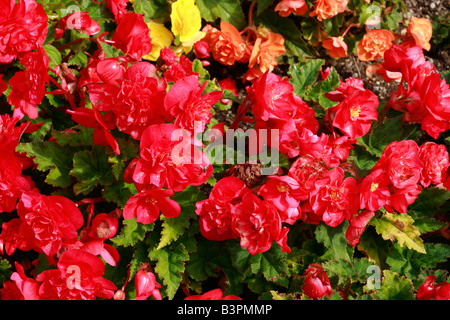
(336, 47)
(374, 44)
(421, 30)
(267, 47)
(286, 7)
(325, 9)
(226, 44)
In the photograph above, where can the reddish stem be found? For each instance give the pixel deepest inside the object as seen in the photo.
(242, 110)
(348, 28)
(250, 13)
(64, 92)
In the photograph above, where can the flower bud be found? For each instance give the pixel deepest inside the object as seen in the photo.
(317, 283)
(201, 49)
(145, 283)
(119, 295)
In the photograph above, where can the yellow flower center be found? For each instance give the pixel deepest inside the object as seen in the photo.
(354, 112)
(373, 186)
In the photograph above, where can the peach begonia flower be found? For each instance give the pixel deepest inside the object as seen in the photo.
(374, 43)
(226, 44)
(421, 30)
(267, 47)
(336, 47)
(287, 7)
(161, 38)
(325, 9)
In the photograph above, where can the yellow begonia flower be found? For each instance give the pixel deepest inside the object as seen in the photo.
(186, 19)
(161, 37)
(186, 46)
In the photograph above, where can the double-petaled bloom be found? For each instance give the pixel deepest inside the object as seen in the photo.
(169, 158)
(226, 44)
(357, 109)
(28, 86)
(23, 28)
(374, 44)
(325, 9)
(216, 216)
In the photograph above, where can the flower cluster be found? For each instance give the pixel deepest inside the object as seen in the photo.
(425, 98)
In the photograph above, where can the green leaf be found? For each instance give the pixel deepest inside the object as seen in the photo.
(173, 228)
(428, 201)
(170, 264)
(203, 262)
(386, 132)
(275, 295)
(334, 240)
(310, 29)
(209, 259)
(410, 263)
(40, 134)
(368, 10)
(294, 44)
(52, 157)
(5, 270)
(333, 25)
(363, 160)
(239, 255)
(317, 91)
(139, 257)
(271, 264)
(304, 74)
(393, 19)
(374, 247)
(156, 9)
(53, 54)
(111, 51)
(355, 270)
(399, 227)
(128, 151)
(131, 233)
(96, 11)
(425, 224)
(394, 287)
(263, 5)
(91, 168)
(119, 192)
(79, 59)
(78, 136)
(227, 10)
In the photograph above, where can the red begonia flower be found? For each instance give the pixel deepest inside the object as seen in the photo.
(78, 277)
(148, 203)
(216, 212)
(316, 283)
(28, 86)
(215, 294)
(132, 36)
(23, 27)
